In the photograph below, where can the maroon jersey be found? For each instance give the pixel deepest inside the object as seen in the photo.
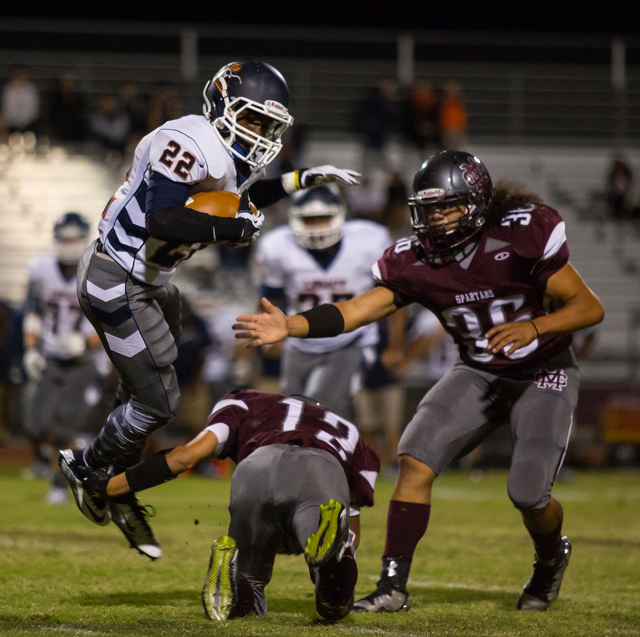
(256, 419)
(503, 281)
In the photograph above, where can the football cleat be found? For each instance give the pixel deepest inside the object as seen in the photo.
(333, 519)
(390, 595)
(219, 595)
(544, 584)
(131, 519)
(335, 584)
(91, 506)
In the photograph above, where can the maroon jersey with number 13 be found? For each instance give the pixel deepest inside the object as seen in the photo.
(256, 419)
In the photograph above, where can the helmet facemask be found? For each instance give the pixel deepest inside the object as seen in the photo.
(441, 237)
(317, 236)
(225, 111)
(70, 240)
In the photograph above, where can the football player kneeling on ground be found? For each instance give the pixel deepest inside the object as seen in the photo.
(483, 259)
(302, 475)
(147, 230)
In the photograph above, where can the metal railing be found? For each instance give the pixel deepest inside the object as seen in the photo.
(517, 88)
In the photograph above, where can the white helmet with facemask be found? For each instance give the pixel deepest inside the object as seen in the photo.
(317, 217)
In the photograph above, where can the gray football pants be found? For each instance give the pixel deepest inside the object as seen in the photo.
(323, 377)
(57, 405)
(276, 494)
(139, 326)
(466, 405)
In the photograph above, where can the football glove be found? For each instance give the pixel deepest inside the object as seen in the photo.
(251, 223)
(323, 175)
(34, 364)
(94, 481)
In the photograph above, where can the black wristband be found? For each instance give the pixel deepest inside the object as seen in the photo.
(535, 328)
(324, 320)
(150, 473)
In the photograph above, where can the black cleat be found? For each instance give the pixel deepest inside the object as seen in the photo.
(91, 505)
(131, 519)
(335, 586)
(544, 584)
(390, 595)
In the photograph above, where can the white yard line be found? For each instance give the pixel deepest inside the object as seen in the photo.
(66, 629)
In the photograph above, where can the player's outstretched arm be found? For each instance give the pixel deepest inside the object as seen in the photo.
(157, 469)
(580, 308)
(322, 321)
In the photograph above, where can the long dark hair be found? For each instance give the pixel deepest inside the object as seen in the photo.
(509, 195)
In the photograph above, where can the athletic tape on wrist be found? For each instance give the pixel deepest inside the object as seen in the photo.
(291, 182)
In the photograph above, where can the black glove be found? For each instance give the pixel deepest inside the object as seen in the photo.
(250, 223)
(95, 481)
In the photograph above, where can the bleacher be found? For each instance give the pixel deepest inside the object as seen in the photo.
(35, 189)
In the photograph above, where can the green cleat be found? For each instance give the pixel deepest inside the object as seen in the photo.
(333, 518)
(219, 595)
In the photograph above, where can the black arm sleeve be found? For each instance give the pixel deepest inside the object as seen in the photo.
(266, 192)
(185, 225)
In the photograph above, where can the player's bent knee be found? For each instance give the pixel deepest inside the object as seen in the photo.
(526, 496)
(416, 472)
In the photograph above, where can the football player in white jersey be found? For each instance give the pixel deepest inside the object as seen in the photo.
(321, 258)
(57, 339)
(146, 230)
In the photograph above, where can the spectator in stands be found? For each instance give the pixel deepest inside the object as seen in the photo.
(396, 212)
(68, 116)
(379, 120)
(423, 117)
(622, 204)
(136, 107)
(20, 102)
(164, 105)
(453, 117)
(110, 126)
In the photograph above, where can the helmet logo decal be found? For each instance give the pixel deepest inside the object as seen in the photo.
(474, 174)
(228, 73)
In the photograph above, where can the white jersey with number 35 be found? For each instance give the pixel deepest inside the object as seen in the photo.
(287, 266)
(184, 150)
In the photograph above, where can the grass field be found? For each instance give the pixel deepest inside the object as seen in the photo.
(61, 575)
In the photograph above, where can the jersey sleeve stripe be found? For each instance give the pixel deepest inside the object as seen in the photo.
(375, 269)
(556, 240)
(229, 402)
(370, 477)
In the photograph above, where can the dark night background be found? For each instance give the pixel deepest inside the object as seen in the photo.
(611, 18)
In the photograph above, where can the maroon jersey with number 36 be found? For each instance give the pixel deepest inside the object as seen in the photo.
(504, 281)
(256, 419)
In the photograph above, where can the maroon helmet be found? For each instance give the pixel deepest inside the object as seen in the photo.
(447, 179)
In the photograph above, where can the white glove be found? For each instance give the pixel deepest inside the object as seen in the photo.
(323, 175)
(250, 230)
(34, 364)
(72, 345)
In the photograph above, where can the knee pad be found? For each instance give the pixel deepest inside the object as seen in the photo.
(528, 486)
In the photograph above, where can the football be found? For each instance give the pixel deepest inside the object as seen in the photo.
(216, 203)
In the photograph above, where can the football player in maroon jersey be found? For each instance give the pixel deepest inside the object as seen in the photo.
(303, 473)
(486, 261)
